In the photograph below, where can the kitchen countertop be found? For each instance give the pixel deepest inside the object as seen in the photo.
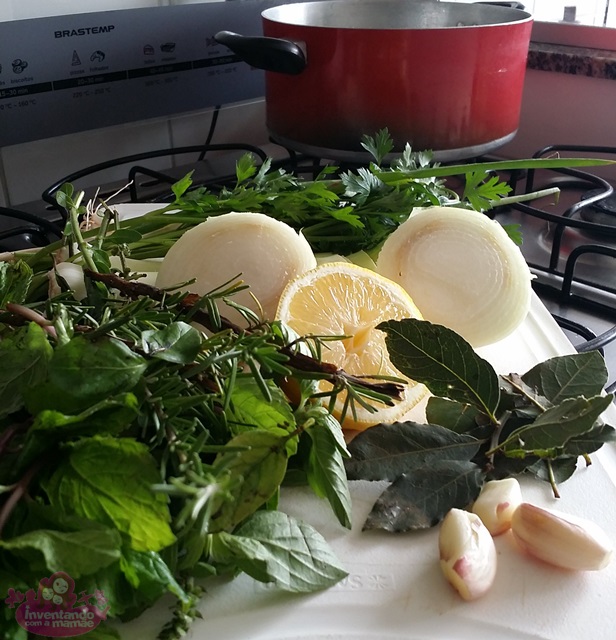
(584, 61)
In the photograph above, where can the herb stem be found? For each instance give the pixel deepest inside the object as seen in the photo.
(552, 479)
(76, 229)
(525, 197)
(382, 390)
(33, 316)
(18, 492)
(498, 428)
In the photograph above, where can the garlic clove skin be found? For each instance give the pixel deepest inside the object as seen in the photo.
(561, 539)
(496, 504)
(467, 554)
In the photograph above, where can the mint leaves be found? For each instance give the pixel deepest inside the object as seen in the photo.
(15, 279)
(109, 480)
(25, 355)
(480, 426)
(274, 547)
(77, 552)
(148, 451)
(141, 454)
(253, 469)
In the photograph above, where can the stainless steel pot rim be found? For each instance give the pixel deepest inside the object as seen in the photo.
(345, 155)
(394, 14)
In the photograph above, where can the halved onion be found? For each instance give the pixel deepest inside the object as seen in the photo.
(265, 253)
(462, 271)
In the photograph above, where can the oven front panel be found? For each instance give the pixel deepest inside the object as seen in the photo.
(64, 74)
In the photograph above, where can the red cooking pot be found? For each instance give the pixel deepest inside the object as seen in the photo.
(442, 76)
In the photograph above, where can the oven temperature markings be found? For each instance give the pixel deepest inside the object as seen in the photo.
(104, 78)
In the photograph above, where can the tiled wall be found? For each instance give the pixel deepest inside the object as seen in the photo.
(27, 169)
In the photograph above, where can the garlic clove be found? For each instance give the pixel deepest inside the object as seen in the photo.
(467, 554)
(561, 539)
(496, 503)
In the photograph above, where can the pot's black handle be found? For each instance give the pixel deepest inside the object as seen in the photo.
(271, 54)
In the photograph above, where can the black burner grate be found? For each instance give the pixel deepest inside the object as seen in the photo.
(564, 241)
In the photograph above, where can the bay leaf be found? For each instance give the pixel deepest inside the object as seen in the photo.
(590, 441)
(457, 416)
(443, 361)
(561, 469)
(569, 376)
(420, 499)
(387, 451)
(556, 426)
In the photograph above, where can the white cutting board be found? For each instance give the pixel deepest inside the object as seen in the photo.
(395, 590)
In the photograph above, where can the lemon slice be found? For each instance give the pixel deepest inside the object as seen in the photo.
(341, 298)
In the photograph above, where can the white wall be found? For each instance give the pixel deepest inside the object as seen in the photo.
(560, 108)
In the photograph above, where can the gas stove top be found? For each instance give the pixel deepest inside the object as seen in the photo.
(570, 245)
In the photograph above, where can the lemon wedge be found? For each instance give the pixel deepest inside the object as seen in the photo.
(343, 299)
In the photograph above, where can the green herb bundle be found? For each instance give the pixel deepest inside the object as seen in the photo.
(138, 453)
(144, 439)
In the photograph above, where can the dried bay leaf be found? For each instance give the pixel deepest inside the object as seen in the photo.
(552, 430)
(459, 417)
(421, 499)
(569, 376)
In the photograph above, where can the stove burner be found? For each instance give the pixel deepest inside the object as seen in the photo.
(602, 211)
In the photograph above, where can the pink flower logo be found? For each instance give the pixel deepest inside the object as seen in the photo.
(53, 609)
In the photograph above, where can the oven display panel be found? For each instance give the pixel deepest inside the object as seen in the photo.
(64, 74)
